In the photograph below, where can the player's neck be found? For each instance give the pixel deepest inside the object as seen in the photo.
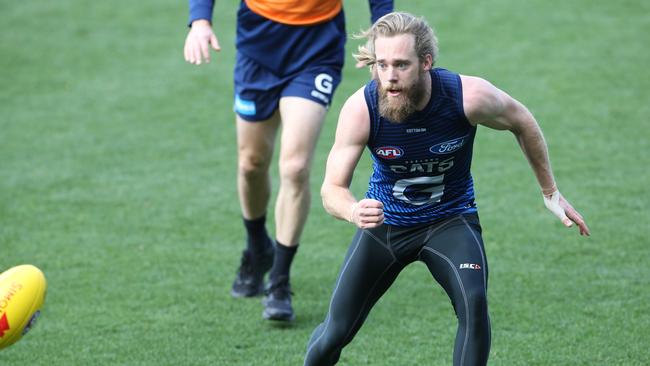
(426, 96)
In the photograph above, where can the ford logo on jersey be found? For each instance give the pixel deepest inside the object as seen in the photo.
(389, 152)
(448, 147)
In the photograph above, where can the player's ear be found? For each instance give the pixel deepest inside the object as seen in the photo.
(427, 62)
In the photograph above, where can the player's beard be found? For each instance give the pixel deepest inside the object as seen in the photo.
(398, 108)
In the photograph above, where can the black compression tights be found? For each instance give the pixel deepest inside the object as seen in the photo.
(453, 251)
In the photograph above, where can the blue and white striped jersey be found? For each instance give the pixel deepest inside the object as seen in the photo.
(421, 167)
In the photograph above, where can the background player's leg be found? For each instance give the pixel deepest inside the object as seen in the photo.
(302, 120)
(456, 258)
(255, 141)
(368, 271)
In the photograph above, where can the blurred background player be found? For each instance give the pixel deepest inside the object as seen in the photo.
(289, 60)
(419, 123)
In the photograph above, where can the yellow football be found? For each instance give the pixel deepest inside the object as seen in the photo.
(22, 292)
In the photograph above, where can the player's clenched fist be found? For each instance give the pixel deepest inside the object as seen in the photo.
(367, 213)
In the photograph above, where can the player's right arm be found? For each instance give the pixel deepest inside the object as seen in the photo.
(200, 37)
(351, 138)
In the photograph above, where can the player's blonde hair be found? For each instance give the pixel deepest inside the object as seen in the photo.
(394, 24)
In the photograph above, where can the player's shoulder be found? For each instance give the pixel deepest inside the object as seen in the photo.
(476, 86)
(354, 119)
(355, 106)
(357, 98)
(480, 97)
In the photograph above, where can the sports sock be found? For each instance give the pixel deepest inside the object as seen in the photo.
(282, 261)
(257, 239)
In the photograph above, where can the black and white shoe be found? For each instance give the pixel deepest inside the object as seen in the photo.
(277, 302)
(249, 281)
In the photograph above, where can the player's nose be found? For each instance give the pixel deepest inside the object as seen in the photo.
(392, 75)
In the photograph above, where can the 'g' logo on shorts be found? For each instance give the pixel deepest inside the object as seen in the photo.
(323, 85)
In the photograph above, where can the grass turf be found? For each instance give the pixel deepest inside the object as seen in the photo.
(117, 179)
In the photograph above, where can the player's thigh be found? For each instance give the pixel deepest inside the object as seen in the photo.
(304, 101)
(257, 96)
(455, 256)
(367, 272)
(255, 140)
(302, 121)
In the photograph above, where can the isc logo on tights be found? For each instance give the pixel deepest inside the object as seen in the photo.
(469, 266)
(389, 152)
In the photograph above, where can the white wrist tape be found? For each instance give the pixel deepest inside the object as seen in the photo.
(553, 204)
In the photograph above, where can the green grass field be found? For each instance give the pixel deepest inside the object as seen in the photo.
(117, 179)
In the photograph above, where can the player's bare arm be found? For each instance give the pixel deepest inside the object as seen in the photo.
(351, 137)
(198, 42)
(487, 105)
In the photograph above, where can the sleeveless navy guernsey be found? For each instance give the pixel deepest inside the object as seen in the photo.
(421, 167)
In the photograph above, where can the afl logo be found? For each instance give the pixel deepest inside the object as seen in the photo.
(389, 152)
(448, 147)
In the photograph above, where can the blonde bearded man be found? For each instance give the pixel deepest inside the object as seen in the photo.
(419, 124)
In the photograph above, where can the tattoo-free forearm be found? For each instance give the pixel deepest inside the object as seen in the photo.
(338, 201)
(532, 143)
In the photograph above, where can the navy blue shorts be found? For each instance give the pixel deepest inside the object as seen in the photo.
(276, 60)
(258, 91)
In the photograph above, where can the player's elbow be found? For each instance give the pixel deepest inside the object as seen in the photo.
(328, 194)
(526, 128)
(520, 120)
(325, 190)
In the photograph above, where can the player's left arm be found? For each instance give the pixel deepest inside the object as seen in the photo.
(201, 37)
(489, 106)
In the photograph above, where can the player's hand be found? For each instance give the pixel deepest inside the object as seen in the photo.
(367, 213)
(561, 208)
(198, 42)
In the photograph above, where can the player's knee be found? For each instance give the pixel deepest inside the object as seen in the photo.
(477, 303)
(337, 335)
(294, 171)
(329, 337)
(252, 165)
